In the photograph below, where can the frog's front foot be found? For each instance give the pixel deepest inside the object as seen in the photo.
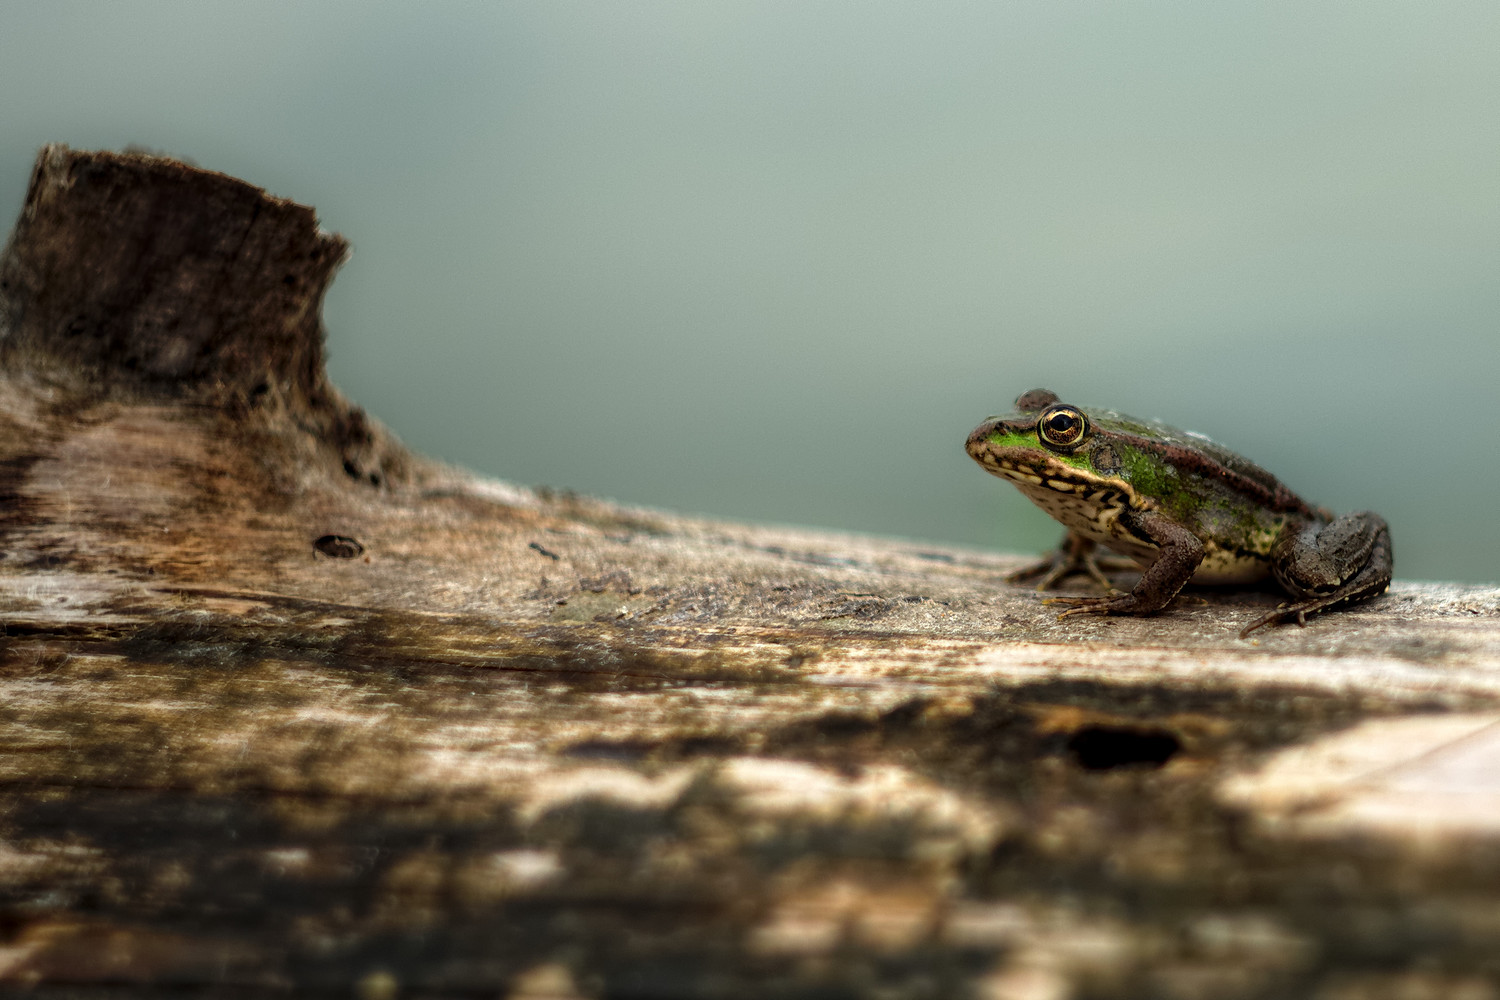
(1074, 555)
(1117, 603)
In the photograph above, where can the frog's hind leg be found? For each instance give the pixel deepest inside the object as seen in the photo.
(1343, 561)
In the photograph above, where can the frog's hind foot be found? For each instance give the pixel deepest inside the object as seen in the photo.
(1311, 560)
(1076, 555)
(1300, 611)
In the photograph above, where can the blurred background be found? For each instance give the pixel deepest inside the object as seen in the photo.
(773, 261)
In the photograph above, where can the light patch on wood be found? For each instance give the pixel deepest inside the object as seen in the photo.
(879, 793)
(526, 869)
(817, 920)
(14, 956)
(986, 925)
(617, 785)
(1024, 977)
(1400, 679)
(498, 491)
(287, 861)
(1420, 778)
(1049, 950)
(550, 981)
(17, 866)
(486, 879)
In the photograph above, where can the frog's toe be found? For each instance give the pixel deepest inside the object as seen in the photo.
(1083, 611)
(1046, 572)
(1285, 612)
(1092, 567)
(1076, 557)
(1261, 622)
(1117, 603)
(1044, 568)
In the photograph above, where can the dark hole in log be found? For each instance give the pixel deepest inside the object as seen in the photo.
(1104, 748)
(338, 546)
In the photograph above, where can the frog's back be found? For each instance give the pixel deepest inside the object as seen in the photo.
(1233, 505)
(1198, 458)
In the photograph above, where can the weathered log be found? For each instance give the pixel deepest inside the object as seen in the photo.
(286, 705)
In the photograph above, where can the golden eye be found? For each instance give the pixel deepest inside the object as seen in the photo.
(1062, 427)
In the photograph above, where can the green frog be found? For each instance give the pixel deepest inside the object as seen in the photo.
(1179, 506)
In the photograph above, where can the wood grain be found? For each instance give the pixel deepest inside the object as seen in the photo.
(283, 705)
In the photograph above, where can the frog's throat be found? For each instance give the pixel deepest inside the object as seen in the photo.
(1039, 471)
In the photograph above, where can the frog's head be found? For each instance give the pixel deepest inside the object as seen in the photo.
(1048, 445)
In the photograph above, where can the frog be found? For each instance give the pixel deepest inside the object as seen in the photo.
(1178, 506)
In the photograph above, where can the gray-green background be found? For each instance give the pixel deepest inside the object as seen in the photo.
(774, 260)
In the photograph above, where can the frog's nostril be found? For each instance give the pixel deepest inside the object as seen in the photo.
(981, 433)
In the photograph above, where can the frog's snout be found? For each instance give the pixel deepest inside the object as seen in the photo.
(979, 435)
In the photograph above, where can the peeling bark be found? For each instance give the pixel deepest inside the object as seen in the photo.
(285, 705)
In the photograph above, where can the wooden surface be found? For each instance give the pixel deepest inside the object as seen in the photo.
(283, 705)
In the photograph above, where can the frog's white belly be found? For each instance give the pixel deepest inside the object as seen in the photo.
(1226, 566)
(1095, 514)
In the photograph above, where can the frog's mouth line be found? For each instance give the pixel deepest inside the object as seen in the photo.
(1055, 476)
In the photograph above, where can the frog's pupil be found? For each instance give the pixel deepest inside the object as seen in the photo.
(1062, 427)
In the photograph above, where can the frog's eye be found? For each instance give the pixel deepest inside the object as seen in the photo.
(1062, 427)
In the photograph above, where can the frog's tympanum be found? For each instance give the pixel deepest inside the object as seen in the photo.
(1180, 506)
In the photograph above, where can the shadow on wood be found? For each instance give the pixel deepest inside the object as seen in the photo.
(287, 706)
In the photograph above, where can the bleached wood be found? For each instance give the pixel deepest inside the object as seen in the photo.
(534, 742)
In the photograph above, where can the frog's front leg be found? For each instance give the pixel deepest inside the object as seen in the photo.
(1328, 563)
(1074, 554)
(1179, 553)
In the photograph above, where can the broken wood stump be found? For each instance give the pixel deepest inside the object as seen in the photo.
(284, 706)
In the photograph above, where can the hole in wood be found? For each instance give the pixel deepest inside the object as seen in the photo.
(338, 546)
(1104, 748)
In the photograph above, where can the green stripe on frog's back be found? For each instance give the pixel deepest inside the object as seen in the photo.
(1234, 505)
(1197, 455)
